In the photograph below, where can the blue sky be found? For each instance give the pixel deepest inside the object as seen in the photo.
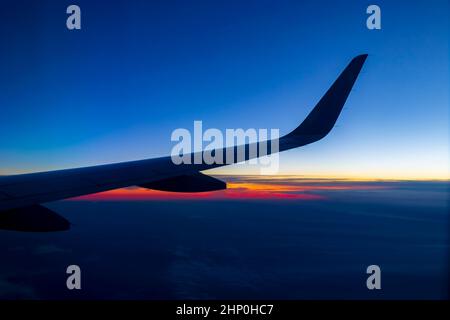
(137, 70)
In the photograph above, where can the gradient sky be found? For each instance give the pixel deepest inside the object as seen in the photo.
(137, 70)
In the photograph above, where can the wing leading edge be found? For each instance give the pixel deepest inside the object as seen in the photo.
(31, 190)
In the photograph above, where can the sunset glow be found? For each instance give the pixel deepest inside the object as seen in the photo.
(249, 188)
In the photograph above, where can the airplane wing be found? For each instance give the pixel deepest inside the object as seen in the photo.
(21, 195)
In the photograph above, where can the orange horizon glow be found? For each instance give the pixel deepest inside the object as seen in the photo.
(235, 190)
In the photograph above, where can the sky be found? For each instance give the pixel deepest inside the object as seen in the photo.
(137, 70)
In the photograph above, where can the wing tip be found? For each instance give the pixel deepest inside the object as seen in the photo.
(360, 59)
(361, 56)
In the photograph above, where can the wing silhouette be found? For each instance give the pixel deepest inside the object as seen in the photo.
(21, 195)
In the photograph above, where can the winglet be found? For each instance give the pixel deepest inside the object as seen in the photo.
(322, 118)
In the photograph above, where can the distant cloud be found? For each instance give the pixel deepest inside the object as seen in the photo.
(48, 249)
(10, 290)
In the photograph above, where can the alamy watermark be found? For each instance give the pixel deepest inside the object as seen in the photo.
(74, 279)
(252, 146)
(373, 22)
(373, 282)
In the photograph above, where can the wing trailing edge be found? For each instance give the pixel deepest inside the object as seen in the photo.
(35, 218)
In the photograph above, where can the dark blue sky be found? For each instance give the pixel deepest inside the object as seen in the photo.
(137, 70)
